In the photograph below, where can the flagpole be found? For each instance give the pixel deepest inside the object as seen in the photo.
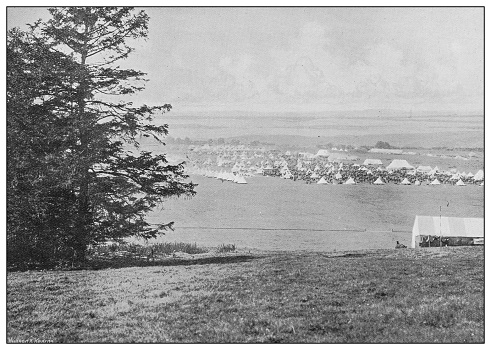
(448, 203)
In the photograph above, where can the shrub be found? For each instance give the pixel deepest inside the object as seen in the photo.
(225, 248)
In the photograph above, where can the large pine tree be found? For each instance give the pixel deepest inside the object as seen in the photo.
(110, 187)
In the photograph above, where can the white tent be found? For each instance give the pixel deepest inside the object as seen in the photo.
(435, 182)
(372, 162)
(446, 227)
(322, 181)
(350, 181)
(338, 176)
(240, 180)
(379, 181)
(479, 175)
(322, 153)
(460, 183)
(399, 164)
(417, 183)
(405, 181)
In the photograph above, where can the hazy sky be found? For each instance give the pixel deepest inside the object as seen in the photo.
(308, 59)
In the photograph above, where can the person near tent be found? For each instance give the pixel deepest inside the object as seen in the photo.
(400, 245)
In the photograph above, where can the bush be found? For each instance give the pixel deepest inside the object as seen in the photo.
(225, 248)
(147, 251)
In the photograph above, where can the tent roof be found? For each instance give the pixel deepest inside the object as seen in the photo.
(399, 164)
(322, 153)
(435, 182)
(379, 181)
(479, 175)
(240, 179)
(322, 181)
(350, 181)
(450, 227)
(405, 181)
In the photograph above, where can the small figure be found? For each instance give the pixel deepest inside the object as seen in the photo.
(399, 245)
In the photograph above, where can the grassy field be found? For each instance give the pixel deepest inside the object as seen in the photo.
(429, 295)
(291, 215)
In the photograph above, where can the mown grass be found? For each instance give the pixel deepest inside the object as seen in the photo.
(430, 295)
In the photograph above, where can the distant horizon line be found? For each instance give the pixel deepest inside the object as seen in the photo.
(414, 113)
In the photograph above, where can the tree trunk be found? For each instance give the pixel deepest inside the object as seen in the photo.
(81, 239)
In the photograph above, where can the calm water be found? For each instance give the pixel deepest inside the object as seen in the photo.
(275, 214)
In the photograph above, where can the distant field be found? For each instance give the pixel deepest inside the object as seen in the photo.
(311, 217)
(428, 295)
(357, 128)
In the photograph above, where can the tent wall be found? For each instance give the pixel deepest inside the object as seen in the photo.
(447, 227)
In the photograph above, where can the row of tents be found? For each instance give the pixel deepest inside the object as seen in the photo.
(224, 176)
(379, 181)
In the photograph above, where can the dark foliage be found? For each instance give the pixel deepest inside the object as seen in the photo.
(73, 180)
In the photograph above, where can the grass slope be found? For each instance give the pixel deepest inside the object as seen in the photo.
(428, 295)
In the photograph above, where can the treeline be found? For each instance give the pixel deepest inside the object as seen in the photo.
(71, 180)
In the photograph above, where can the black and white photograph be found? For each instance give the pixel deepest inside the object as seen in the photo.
(244, 174)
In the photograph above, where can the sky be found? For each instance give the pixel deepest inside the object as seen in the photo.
(280, 59)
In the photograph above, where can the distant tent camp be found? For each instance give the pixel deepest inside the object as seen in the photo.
(372, 162)
(399, 164)
(435, 182)
(379, 181)
(322, 181)
(350, 181)
(405, 181)
(460, 231)
(460, 183)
